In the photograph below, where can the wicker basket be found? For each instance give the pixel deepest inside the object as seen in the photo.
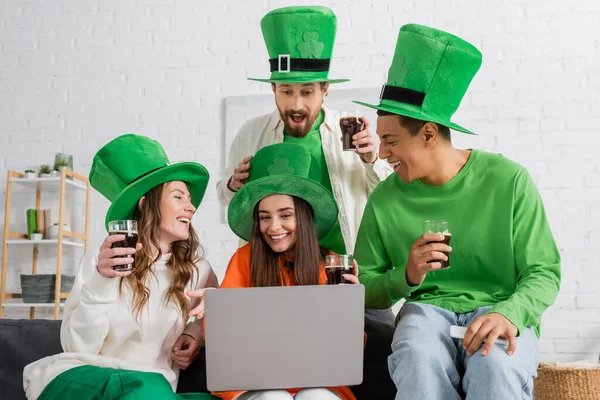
(567, 381)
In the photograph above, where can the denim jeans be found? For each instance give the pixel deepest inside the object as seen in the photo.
(427, 363)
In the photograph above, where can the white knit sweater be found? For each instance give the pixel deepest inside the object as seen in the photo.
(99, 328)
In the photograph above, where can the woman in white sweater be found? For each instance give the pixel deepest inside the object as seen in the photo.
(124, 333)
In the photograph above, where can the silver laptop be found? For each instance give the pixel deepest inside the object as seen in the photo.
(284, 337)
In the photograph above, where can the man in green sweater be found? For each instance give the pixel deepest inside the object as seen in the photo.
(504, 264)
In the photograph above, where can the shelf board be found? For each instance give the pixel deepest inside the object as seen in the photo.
(20, 304)
(66, 242)
(48, 184)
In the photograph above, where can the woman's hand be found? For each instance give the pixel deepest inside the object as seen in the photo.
(352, 278)
(108, 258)
(198, 311)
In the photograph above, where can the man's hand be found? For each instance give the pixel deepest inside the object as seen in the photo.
(185, 350)
(489, 327)
(240, 175)
(424, 257)
(370, 141)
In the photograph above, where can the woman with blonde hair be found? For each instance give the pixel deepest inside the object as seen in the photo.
(124, 332)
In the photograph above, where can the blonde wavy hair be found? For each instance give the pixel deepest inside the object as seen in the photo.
(185, 254)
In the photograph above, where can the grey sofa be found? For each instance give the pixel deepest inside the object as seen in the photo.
(24, 341)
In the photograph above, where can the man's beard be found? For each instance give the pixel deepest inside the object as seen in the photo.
(298, 131)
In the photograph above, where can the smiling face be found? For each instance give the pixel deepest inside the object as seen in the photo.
(299, 105)
(408, 154)
(176, 211)
(277, 217)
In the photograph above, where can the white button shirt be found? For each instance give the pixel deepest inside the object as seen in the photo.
(352, 181)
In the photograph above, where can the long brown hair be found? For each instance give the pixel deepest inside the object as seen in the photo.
(185, 254)
(308, 255)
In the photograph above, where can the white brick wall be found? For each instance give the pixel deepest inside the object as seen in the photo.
(76, 73)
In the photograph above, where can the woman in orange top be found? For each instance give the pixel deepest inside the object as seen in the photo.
(282, 213)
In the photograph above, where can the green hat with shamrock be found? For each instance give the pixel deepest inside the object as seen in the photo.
(430, 73)
(282, 168)
(300, 44)
(127, 167)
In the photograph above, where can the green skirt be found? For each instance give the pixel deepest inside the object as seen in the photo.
(94, 383)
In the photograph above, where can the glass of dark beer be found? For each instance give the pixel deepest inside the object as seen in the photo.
(351, 123)
(336, 265)
(439, 226)
(128, 228)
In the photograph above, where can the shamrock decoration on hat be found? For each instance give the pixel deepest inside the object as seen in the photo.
(430, 73)
(282, 168)
(300, 44)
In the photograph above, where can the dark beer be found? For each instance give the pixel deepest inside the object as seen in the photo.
(350, 126)
(446, 241)
(131, 239)
(335, 274)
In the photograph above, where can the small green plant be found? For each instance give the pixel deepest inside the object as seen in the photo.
(61, 163)
(27, 171)
(45, 169)
(36, 231)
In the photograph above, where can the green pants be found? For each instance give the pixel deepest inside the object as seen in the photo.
(94, 383)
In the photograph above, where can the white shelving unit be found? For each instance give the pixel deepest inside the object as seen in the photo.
(45, 241)
(67, 180)
(19, 304)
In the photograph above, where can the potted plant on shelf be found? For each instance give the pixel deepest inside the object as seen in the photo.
(36, 236)
(45, 171)
(30, 174)
(62, 164)
(63, 159)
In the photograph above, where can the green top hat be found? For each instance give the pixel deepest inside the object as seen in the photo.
(282, 168)
(300, 43)
(127, 167)
(429, 76)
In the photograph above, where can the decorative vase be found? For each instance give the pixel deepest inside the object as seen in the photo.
(63, 159)
(60, 171)
(53, 230)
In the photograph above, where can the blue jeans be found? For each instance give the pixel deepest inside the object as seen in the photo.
(427, 363)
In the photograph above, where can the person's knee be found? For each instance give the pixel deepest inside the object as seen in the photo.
(424, 351)
(152, 384)
(316, 394)
(266, 395)
(276, 395)
(496, 367)
(415, 361)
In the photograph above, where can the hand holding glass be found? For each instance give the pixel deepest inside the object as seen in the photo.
(128, 228)
(439, 226)
(336, 266)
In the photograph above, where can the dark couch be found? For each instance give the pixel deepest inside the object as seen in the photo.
(24, 341)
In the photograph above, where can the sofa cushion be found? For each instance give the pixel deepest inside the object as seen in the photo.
(23, 342)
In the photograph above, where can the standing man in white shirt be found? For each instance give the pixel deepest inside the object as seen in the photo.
(300, 42)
